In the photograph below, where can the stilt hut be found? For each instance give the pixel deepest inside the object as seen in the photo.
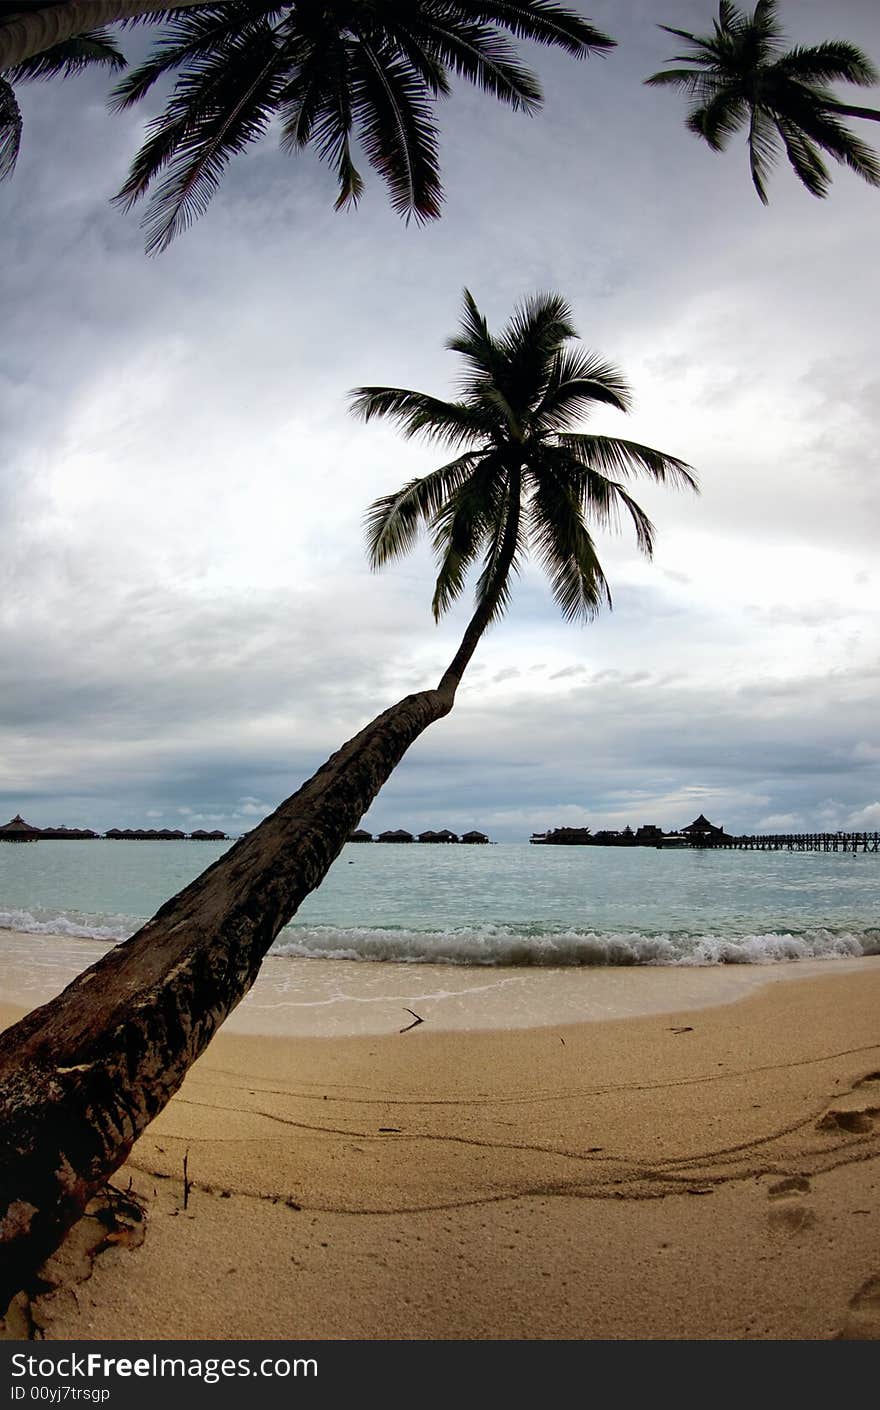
(17, 830)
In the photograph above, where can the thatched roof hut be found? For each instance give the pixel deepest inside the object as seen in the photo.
(429, 837)
(702, 833)
(17, 830)
(360, 836)
(474, 837)
(397, 836)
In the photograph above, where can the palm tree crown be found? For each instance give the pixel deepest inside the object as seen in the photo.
(742, 75)
(335, 73)
(524, 478)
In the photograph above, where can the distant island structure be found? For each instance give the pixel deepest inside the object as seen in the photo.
(702, 833)
(17, 830)
(400, 835)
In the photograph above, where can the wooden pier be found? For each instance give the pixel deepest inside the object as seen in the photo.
(801, 842)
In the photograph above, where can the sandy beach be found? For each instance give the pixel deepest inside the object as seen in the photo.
(701, 1174)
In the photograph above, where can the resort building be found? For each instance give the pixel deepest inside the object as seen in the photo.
(398, 836)
(17, 830)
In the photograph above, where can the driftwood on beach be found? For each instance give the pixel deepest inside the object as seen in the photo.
(82, 1076)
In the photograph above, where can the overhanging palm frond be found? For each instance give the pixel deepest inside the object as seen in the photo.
(546, 23)
(344, 77)
(94, 46)
(397, 130)
(217, 110)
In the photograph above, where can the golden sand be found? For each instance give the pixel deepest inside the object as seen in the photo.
(706, 1174)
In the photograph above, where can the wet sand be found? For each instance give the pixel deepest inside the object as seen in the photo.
(707, 1173)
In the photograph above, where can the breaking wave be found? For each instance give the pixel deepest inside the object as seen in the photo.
(499, 945)
(491, 945)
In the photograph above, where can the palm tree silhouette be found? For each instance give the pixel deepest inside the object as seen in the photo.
(526, 480)
(81, 1077)
(341, 76)
(742, 75)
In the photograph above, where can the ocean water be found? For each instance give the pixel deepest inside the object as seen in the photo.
(505, 905)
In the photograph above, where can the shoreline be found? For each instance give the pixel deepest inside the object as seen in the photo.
(703, 1173)
(299, 997)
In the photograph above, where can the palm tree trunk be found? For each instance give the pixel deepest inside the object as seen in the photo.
(82, 1076)
(29, 32)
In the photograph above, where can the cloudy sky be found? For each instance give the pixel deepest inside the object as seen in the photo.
(188, 625)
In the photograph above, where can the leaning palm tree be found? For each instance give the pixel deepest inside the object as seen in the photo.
(743, 76)
(342, 76)
(81, 1077)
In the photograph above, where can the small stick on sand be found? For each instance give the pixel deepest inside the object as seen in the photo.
(187, 1184)
(416, 1021)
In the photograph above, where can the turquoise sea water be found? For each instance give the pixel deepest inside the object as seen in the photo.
(510, 904)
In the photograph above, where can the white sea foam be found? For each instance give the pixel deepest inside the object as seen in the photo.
(497, 945)
(70, 924)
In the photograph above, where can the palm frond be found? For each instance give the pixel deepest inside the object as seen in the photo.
(695, 82)
(835, 61)
(566, 549)
(10, 129)
(719, 119)
(482, 353)
(828, 133)
(485, 58)
(420, 415)
(763, 149)
(804, 158)
(216, 111)
(545, 23)
(612, 456)
(472, 514)
(493, 588)
(94, 46)
(191, 35)
(535, 333)
(397, 130)
(577, 380)
(392, 522)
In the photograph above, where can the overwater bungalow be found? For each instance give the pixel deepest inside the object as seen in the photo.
(443, 836)
(17, 830)
(399, 835)
(359, 835)
(474, 837)
(201, 836)
(64, 834)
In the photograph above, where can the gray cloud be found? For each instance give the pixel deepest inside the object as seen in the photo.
(186, 618)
